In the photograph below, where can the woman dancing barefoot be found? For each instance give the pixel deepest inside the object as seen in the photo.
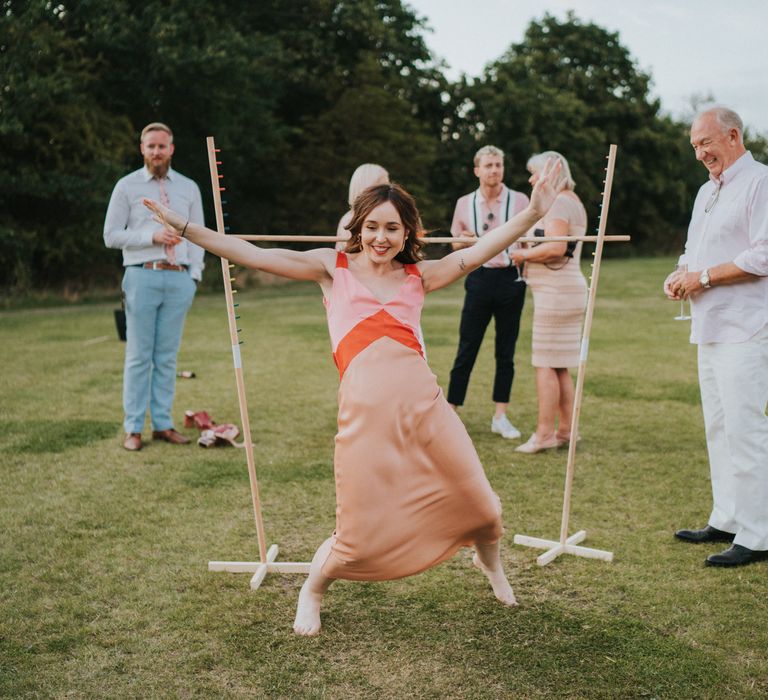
(410, 489)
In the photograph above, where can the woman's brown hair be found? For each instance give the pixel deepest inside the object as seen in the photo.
(405, 204)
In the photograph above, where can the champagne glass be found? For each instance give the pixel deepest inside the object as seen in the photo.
(682, 315)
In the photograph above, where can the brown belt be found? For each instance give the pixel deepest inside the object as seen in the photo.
(162, 265)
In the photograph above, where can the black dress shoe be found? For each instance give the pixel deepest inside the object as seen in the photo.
(708, 534)
(736, 555)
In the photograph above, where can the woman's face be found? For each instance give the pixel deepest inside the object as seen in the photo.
(383, 233)
(534, 178)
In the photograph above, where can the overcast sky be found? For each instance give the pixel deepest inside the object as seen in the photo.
(688, 46)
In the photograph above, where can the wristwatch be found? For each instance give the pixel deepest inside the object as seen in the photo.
(704, 279)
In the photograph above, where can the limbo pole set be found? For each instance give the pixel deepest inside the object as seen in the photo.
(570, 545)
(267, 560)
(267, 557)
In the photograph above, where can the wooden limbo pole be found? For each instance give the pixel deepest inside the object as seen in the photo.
(266, 563)
(569, 545)
(426, 239)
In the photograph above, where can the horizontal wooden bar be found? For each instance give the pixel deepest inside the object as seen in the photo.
(435, 239)
(589, 552)
(550, 556)
(238, 567)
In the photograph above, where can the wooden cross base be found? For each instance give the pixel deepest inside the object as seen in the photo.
(260, 569)
(557, 548)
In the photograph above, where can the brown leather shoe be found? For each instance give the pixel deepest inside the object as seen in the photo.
(132, 442)
(171, 435)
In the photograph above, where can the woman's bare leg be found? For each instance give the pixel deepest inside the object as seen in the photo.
(548, 390)
(307, 622)
(488, 559)
(566, 403)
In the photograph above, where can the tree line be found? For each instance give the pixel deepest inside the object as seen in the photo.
(297, 95)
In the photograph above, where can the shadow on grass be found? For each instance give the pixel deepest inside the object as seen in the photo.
(382, 639)
(50, 436)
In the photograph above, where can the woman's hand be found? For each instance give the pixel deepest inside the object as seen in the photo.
(518, 256)
(545, 191)
(165, 216)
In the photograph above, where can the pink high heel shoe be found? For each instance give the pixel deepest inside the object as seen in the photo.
(534, 445)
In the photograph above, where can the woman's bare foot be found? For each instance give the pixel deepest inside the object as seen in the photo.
(307, 622)
(501, 588)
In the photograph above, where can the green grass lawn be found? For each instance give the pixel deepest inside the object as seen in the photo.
(104, 588)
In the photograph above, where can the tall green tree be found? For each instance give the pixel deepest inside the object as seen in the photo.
(56, 141)
(296, 94)
(572, 87)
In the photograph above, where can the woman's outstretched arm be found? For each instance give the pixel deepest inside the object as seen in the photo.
(440, 273)
(298, 265)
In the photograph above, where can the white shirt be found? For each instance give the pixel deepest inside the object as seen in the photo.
(734, 230)
(129, 224)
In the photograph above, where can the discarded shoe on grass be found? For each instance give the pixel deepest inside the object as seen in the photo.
(198, 419)
(220, 436)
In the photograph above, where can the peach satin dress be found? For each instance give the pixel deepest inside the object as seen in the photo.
(410, 489)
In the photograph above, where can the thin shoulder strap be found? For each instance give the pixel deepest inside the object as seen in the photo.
(341, 259)
(412, 269)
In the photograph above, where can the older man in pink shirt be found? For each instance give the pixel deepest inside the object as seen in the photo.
(724, 272)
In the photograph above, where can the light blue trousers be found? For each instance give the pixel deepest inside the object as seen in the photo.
(156, 304)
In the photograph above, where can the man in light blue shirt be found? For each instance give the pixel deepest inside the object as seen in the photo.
(159, 283)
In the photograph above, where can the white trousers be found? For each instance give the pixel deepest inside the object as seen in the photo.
(733, 378)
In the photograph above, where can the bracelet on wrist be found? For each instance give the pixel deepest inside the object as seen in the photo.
(184, 230)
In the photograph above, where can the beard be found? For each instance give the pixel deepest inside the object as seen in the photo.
(158, 168)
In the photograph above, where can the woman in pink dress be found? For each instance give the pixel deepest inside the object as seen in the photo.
(410, 488)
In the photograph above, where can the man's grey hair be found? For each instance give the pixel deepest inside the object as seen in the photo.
(725, 117)
(488, 151)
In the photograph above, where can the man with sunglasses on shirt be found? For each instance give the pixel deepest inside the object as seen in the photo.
(494, 290)
(724, 272)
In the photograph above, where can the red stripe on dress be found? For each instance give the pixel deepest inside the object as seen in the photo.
(380, 325)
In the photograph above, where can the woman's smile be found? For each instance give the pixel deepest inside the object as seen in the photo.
(383, 233)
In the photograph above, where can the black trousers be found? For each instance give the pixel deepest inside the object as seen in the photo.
(490, 293)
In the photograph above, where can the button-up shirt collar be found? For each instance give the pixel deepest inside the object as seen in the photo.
(147, 175)
(494, 200)
(742, 162)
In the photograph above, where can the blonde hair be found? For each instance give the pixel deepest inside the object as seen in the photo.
(537, 161)
(365, 176)
(156, 126)
(487, 151)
